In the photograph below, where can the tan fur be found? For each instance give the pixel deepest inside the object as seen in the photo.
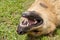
(50, 14)
(49, 10)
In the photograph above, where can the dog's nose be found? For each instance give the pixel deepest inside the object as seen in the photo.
(20, 30)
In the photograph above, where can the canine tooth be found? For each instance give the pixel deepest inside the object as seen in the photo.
(35, 22)
(22, 25)
(23, 22)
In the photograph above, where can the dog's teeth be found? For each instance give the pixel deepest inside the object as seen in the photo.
(22, 25)
(24, 22)
(35, 21)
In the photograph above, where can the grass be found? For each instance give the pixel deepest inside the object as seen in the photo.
(10, 12)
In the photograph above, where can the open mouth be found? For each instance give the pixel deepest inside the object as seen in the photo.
(31, 20)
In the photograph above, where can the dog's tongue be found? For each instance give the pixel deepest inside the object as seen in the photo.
(28, 22)
(31, 22)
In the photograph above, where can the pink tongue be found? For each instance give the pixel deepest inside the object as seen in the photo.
(32, 22)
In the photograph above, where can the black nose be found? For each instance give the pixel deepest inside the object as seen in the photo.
(20, 30)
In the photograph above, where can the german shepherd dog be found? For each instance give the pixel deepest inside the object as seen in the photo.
(41, 18)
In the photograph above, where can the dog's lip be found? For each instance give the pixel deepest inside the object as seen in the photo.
(28, 22)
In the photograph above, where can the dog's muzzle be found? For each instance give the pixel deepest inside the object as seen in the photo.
(31, 20)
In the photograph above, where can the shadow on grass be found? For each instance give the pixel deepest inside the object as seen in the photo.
(33, 38)
(42, 37)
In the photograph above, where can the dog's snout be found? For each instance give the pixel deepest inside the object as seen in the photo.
(20, 30)
(25, 14)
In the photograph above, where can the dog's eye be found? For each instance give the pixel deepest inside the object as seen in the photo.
(43, 5)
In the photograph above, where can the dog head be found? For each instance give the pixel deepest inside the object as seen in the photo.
(38, 16)
(29, 21)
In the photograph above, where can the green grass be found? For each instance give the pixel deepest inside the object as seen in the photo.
(10, 12)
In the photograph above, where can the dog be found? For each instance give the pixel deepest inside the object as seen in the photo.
(41, 18)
